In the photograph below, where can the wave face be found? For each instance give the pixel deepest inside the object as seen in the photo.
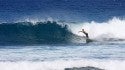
(53, 32)
(28, 33)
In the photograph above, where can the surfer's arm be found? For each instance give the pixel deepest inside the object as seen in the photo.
(80, 31)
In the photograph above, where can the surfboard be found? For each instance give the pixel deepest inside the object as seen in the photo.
(89, 40)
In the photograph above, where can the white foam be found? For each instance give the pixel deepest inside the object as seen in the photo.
(113, 28)
(35, 20)
(61, 64)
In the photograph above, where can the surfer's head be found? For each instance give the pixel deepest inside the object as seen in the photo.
(83, 30)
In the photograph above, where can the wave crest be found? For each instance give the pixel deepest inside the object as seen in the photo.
(112, 29)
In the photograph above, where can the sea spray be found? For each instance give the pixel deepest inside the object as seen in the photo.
(113, 28)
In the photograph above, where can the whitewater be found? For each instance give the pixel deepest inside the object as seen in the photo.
(113, 28)
(108, 57)
(107, 51)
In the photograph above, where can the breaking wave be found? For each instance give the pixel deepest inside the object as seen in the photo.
(55, 32)
(40, 33)
(112, 29)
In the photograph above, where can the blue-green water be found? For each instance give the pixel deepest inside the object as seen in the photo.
(58, 57)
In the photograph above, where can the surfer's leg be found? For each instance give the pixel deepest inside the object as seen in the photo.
(88, 40)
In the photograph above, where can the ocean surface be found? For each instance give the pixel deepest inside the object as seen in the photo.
(53, 45)
(44, 34)
(110, 56)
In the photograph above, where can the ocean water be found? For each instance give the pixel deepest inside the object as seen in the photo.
(53, 45)
(44, 34)
(110, 56)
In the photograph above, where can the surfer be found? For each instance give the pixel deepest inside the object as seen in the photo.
(87, 36)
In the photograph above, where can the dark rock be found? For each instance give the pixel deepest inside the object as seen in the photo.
(84, 68)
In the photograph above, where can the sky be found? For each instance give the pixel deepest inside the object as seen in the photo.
(70, 10)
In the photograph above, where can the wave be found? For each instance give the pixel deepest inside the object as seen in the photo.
(40, 33)
(57, 32)
(111, 30)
